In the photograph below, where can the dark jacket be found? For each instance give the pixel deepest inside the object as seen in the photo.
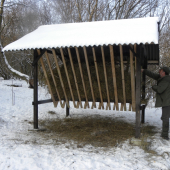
(162, 89)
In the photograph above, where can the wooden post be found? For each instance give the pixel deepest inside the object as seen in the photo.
(101, 105)
(89, 75)
(47, 80)
(144, 55)
(67, 110)
(35, 91)
(82, 77)
(106, 82)
(132, 80)
(114, 76)
(75, 79)
(123, 79)
(143, 114)
(138, 95)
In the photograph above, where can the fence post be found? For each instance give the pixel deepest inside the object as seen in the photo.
(138, 95)
(35, 91)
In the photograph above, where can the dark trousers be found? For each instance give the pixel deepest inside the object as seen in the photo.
(165, 121)
(165, 129)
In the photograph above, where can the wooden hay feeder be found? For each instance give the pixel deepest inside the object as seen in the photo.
(93, 62)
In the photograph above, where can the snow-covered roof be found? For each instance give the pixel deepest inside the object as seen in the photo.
(125, 31)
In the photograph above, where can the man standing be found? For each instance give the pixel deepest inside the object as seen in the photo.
(162, 90)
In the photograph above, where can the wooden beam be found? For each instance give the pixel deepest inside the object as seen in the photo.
(67, 111)
(60, 77)
(132, 81)
(82, 78)
(153, 62)
(123, 77)
(55, 84)
(75, 79)
(121, 107)
(35, 91)
(48, 83)
(135, 49)
(101, 105)
(106, 82)
(44, 101)
(89, 75)
(68, 79)
(41, 53)
(138, 96)
(114, 76)
(130, 106)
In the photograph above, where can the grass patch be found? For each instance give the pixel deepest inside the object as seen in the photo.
(52, 112)
(98, 131)
(14, 85)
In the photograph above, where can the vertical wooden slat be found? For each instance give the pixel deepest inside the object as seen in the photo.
(81, 73)
(106, 82)
(101, 105)
(55, 84)
(67, 111)
(121, 107)
(132, 80)
(89, 75)
(48, 83)
(68, 79)
(138, 96)
(130, 106)
(61, 80)
(114, 77)
(75, 79)
(135, 49)
(123, 77)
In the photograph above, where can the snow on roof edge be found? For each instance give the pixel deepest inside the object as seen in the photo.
(124, 31)
(74, 46)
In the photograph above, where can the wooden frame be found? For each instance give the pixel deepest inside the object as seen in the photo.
(132, 81)
(114, 77)
(101, 105)
(68, 80)
(135, 87)
(49, 64)
(138, 95)
(106, 82)
(81, 72)
(89, 75)
(75, 79)
(123, 79)
(48, 83)
(61, 80)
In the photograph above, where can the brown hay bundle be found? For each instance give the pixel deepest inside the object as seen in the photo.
(94, 82)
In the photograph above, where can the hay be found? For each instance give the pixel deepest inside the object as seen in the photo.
(94, 130)
(94, 82)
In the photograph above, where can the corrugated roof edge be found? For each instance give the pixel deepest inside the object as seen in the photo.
(74, 46)
(73, 34)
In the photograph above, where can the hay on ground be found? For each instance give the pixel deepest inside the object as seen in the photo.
(94, 130)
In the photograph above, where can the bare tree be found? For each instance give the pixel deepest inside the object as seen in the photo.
(20, 17)
(95, 10)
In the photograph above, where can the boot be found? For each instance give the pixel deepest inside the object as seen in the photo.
(165, 129)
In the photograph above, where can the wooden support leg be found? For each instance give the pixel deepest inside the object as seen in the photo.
(143, 114)
(138, 96)
(67, 110)
(35, 91)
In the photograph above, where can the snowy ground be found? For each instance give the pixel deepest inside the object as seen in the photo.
(23, 149)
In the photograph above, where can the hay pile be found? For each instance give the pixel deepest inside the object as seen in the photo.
(94, 82)
(94, 130)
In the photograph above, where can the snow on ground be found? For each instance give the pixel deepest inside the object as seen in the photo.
(22, 149)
